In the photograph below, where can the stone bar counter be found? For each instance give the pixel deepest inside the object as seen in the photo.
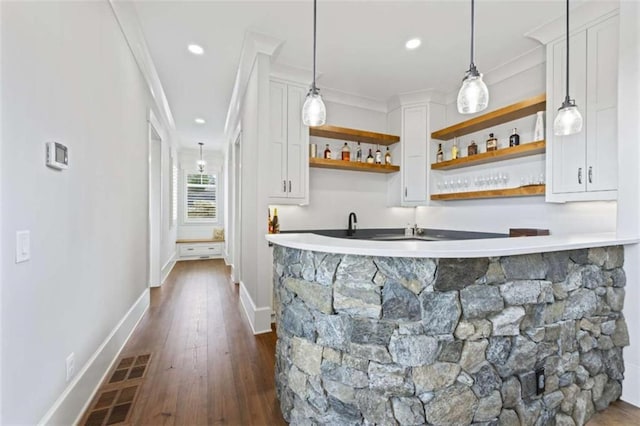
(525, 331)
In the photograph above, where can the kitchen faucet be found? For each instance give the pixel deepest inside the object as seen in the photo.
(352, 224)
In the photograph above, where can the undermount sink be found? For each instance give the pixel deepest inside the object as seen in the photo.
(397, 234)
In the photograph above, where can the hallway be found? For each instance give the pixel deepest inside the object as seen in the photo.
(206, 366)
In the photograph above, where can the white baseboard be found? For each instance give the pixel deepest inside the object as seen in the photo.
(631, 382)
(259, 318)
(167, 268)
(234, 274)
(71, 405)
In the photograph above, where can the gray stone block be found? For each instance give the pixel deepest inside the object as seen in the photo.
(440, 312)
(369, 331)
(413, 350)
(434, 377)
(485, 381)
(479, 301)
(408, 410)
(454, 405)
(488, 407)
(524, 267)
(398, 303)
(456, 274)
(581, 303)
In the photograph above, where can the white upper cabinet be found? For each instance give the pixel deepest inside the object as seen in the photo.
(418, 121)
(583, 167)
(288, 145)
(414, 155)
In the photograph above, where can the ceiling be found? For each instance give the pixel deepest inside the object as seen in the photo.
(360, 47)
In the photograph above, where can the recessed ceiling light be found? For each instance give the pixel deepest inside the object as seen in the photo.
(195, 49)
(414, 43)
(200, 120)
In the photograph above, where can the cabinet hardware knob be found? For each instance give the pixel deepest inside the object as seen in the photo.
(284, 186)
(289, 186)
(405, 192)
(590, 174)
(580, 175)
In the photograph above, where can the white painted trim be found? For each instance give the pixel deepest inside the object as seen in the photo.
(292, 74)
(259, 318)
(253, 44)
(71, 405)
(350, 99)
(417, 97)
(582, 16)
(127, 17)
(167, 268)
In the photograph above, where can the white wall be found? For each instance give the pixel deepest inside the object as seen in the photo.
(628, 179)
(333, 194)
(498, 215)
(68, 75)
(187, 159)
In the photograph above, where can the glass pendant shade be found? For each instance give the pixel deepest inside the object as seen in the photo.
(201, 163)
(314, 113)
(473, 95)
(568, 120)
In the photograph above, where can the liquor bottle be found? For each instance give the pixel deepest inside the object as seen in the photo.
(387, 157)
(492, 143)
(472, 149)
(538, 133)
(269, 222)
(454, 150)
(514, 139)
(378, 156)
(327, 153)
(370, 157)
(346, 153)
(359, 153)
(439, 154)
(275, 224)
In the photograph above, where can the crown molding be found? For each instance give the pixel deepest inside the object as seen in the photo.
(292, 74)
(581, 16)
(351, 99)
(127, 18)
(416, 97)
(254, 44)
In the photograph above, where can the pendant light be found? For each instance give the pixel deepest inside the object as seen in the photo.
(201, 163)
(314, 113)
(569, 120)
(473, 95)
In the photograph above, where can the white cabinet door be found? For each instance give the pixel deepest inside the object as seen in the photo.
(414, 155)
(297, 144)
(568, 152)
(278, 140)
(602, 106)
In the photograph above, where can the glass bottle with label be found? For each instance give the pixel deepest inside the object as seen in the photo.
(327, 153)
(492, 143)
(472, 149)
(378, 156)
(370, 157)
(387, 157)
(454, 150)
(346, 153)
(439, 154)
(359, 153)
(514, 139)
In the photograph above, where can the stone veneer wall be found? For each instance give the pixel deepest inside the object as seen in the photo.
(373, 340)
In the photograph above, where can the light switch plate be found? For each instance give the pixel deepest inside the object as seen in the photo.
(23, 246)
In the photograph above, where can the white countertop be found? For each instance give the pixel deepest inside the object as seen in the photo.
(448, 249)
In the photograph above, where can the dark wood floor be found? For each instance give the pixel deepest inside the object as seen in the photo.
(208, 368)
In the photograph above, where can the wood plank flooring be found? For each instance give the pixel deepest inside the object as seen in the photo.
(208, 368)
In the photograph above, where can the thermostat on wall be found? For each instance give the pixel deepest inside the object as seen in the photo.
(57, 156)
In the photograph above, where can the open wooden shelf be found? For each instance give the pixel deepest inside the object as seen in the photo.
(355, 135)
(519, 151)
(493, 118)
(522, 191)
(352, 165)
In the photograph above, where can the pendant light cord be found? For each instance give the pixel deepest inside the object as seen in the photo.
(473, 26)
(313, 85)
(567, 94)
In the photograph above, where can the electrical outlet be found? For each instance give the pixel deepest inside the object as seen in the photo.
(541, 380)
(71, 365)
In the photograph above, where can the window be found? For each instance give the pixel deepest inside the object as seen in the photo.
(174, 191)
(201, 200)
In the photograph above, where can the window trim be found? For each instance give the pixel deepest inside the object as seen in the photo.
(185, 210)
